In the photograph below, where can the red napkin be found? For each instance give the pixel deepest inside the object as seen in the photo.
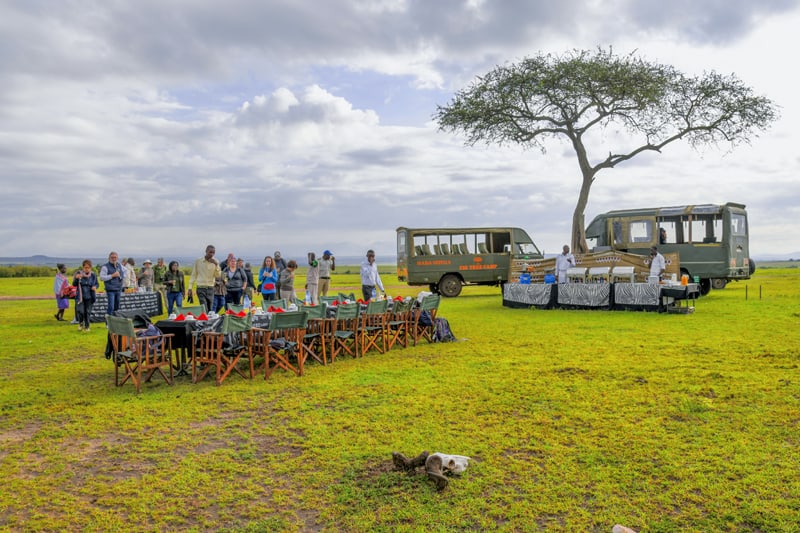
(398, 298)
(202, 316)
(229, 312)
(335, 303)
(241, 314)
(180, 318)
(361, 301)
(279, 310)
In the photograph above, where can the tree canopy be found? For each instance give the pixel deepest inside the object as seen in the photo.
(550, 96)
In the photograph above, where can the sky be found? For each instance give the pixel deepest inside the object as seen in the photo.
(157, 127)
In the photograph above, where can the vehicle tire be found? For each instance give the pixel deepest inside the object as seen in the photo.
(705, 286)
(450, 285)
(752, 266)
(718, 283)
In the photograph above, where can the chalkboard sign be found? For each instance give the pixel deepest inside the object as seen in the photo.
(149, 302)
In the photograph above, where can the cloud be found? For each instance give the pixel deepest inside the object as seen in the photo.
(159, 126)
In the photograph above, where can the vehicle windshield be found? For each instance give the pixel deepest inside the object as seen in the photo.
(527, 248)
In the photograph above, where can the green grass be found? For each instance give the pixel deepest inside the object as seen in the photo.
(577, 420)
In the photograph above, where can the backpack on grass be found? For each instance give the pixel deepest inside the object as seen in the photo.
(442, 331)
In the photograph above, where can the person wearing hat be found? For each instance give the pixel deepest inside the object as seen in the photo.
(280, 264)
(147, 275)
(326, 265)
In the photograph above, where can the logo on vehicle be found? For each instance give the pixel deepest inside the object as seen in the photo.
(478, 259)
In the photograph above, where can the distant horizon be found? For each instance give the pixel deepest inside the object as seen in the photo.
(46, 260)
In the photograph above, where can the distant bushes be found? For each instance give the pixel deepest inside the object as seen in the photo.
(26, 271)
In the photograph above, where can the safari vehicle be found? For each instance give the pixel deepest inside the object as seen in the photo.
(711, 240)
(446, 259)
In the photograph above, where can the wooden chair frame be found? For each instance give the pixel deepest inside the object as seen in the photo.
(398, 325)
(285, 340)
(372, 327)
(136, 355)
(210, 351)
(342, 332)
(422, 331)
(314, 344)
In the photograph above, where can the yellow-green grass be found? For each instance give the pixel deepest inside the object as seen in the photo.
(577, 420)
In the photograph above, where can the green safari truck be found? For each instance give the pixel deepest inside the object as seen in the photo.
(446, 259)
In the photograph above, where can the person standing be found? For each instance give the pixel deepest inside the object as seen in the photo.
(268, 278)
(249, 290)
(370, 278)
(280, 265)
(204, 271)
(312, 279)
(220, 291)
(112, 275)
(129, 281)
(174, 283)
(147, 275)
(86, 283)
(326, 265)
(235, 282)
(287, 282)
(159, 271)
(59, 284)
(564, 262)
(658, 265)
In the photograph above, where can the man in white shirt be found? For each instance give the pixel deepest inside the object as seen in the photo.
(658, 265)
(370, 277)
(564, 262)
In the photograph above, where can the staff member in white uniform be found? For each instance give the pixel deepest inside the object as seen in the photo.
(658, 265)
(564, 262)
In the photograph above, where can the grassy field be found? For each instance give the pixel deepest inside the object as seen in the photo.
(577, 420)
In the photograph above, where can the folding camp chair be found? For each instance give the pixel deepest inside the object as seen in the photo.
(138, 355)
(372, 327)
(328, 300)
(314, 339)
(284, 346)
(223, 349)
(342, 333)
(280, 303)
(343, 297)
(195, 310)
(398, 325)
(424, 318)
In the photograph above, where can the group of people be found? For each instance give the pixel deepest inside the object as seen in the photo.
(215, 285)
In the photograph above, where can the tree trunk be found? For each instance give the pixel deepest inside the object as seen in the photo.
(579, 245)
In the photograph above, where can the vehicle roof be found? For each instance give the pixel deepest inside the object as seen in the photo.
(458, 230)
(597, 227)
(672, 210)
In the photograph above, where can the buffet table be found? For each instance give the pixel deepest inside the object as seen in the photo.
(148, 302)
(618, 296)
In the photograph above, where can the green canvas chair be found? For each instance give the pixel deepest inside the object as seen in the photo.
(139, 357)
(212, 351)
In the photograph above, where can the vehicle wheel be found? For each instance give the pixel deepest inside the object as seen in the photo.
(705, 286)
(450, 285)
(752, 266)
(718, 283)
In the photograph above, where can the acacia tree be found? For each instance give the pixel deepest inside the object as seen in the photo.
(585, 91)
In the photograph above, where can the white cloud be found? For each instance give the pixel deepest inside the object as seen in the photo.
(154, 127)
